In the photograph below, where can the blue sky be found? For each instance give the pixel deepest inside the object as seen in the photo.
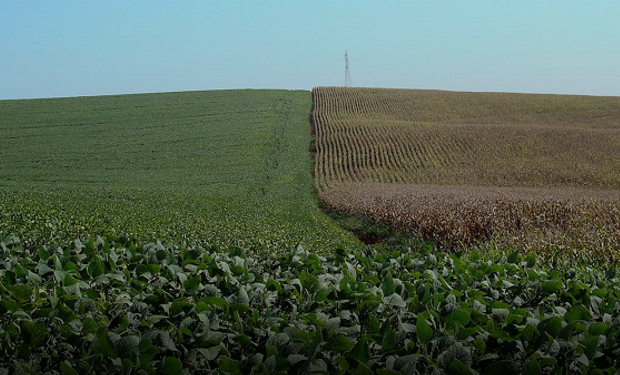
(73, 48)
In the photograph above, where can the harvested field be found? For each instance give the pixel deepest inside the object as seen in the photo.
(531, 171)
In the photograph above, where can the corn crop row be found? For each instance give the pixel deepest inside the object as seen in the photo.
(377, 150)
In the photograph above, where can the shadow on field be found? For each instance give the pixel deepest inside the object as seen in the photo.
(377, 235)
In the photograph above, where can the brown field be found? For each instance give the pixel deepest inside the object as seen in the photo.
(530, 171)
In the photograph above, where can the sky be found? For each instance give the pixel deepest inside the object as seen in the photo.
(65, 48)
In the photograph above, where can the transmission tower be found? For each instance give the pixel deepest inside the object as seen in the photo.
(347, 73)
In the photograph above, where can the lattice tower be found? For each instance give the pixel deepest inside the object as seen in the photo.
(347, 73)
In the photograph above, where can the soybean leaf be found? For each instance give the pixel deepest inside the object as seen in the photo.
(340, 343)
(531, 259)
(590, 346)
(360, 352)
(532, 368)
(457, 367)
(363, 369)
(230, 366)
(466, 333)
(577, 312)
(388, 285)
(552, 326)
(597, 328)
(171, 366)
(33, 334)
(66, 369)
(423, 330)
(192, 284)
(503, 367)
(216, 301)
(43, 255)
(459, 352)
(514, 257)
(389, 340)
(460, 316)
(128, 346)
(241, 297)
(552, 286)
(166, 342)
(148, 351)
(10, 305)
(305, 362)
(21, 292)
(104, 345)
(395, 300)
(95, 268)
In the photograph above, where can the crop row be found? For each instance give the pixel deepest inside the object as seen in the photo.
(408, 140)
(430, 106)
(361, 144)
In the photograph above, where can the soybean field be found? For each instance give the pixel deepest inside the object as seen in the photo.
(180, 234)
(216, 168)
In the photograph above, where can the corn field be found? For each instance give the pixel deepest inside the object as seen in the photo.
(538, 172)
